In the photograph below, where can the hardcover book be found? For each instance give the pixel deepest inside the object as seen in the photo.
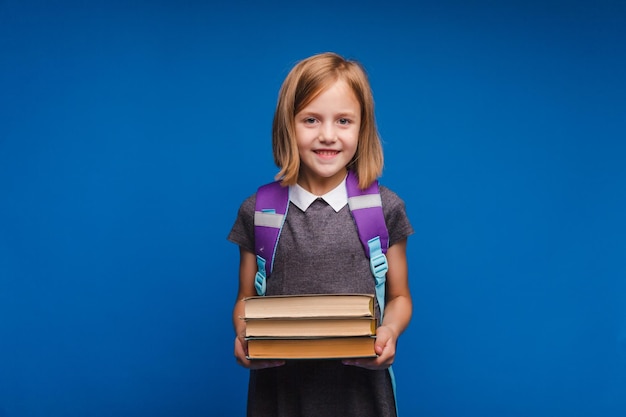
(311, 348)
(311, 327)
(330, 305)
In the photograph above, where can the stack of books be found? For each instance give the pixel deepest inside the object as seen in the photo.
(310, 326)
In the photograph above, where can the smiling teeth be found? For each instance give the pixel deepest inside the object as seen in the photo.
(327, 153)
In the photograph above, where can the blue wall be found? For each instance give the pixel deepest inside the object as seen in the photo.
(131, 131)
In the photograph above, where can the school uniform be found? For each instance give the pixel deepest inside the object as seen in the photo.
(319, 252)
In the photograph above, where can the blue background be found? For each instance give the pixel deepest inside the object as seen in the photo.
(131, 131)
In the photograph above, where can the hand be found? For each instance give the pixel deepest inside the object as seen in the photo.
(241, 351)
(385, 348)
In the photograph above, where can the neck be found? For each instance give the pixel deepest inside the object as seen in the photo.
(320, 186)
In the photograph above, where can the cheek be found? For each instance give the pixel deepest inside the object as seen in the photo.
(299, 138)
(355, 145)
(355, 140)
(302, 147)
(302, 134)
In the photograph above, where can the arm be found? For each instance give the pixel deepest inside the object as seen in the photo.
(398, 310)
(247, 271)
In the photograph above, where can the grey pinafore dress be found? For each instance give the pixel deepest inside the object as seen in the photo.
(319, 252)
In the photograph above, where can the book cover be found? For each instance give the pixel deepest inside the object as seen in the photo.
(311, 348)
(297, 306)
(298, 327)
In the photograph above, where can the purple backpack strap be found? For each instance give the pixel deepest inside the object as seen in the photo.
(367, 210)
(272, 202)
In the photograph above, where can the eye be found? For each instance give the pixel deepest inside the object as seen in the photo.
(344, 121)
(309, 120)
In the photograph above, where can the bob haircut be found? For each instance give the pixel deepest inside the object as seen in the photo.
(303, 84)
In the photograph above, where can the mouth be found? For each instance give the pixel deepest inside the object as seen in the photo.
(326, 153)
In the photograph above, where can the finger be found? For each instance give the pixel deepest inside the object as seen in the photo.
(240, 354)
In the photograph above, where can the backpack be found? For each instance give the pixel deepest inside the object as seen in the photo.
(272, 203)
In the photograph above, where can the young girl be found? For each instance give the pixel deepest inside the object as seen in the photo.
(324, 126)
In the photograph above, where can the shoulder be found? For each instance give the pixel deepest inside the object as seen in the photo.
(245, 212)
(247, 206)
(242, 232)
(396, 217)
(390, 199)
(268, 192)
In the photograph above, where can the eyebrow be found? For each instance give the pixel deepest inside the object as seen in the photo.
(339, 115)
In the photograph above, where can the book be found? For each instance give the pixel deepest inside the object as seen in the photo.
(300, 306)
(311, 348)
(311, 327)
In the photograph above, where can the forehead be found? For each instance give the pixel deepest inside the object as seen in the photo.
(336, 93)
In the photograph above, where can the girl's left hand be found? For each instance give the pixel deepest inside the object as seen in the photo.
(385, 348)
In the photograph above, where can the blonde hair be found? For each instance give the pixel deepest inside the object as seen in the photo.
(302, 85)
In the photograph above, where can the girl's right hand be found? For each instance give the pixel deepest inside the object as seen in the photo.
(241, 350)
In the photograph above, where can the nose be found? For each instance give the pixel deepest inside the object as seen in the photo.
(328, 133)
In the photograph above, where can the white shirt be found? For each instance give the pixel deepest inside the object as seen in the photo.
(337, 198)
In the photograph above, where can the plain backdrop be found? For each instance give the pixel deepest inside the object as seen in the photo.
(130, 132)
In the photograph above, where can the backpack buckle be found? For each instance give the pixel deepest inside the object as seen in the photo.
(260, 278)
(260, 283)
(379, 266)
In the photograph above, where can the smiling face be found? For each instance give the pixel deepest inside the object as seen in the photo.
(327, 134)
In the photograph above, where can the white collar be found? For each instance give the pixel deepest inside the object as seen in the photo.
(337, 198)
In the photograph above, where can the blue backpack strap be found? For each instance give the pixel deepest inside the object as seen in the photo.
(367, 210)
(272, 202)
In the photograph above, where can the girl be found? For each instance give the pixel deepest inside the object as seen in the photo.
(324, 126)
